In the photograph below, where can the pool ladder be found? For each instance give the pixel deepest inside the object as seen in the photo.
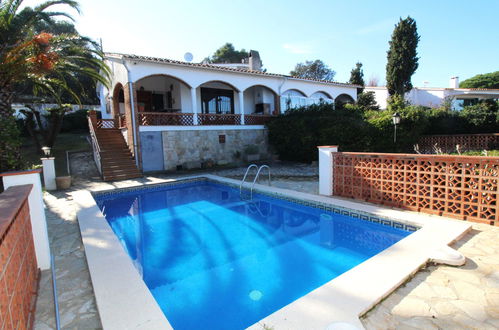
(259, 169)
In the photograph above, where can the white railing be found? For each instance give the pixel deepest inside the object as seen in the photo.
(95, 145)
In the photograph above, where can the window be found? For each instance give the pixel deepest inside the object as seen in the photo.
(219, 101)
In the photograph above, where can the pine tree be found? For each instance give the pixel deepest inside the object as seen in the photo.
(357, 75)
(402, 57)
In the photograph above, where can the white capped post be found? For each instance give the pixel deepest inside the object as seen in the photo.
(326, 155)
(194, 102)
(241, 106)
(49, 173)
(36, 212)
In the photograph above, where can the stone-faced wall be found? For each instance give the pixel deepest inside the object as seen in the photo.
(198, 148)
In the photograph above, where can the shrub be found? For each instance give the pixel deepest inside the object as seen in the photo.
(482, 117)
(296, 134)
(75, 121)
(367, 101)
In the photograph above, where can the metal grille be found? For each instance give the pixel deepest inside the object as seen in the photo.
(167, 119)
(461, 187)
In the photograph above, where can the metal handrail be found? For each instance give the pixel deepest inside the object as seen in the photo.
(95, 145)
(256, 178)
(244, 178)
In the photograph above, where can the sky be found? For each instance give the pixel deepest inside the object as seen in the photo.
(458, 38)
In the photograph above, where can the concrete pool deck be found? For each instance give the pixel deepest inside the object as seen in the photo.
(401, 309)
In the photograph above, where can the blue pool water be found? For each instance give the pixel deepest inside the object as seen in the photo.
(214, 261)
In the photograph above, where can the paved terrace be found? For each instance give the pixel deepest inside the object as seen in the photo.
(436, 297)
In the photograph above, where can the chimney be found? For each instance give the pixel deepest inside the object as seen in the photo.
(454, 82)
(255, 64)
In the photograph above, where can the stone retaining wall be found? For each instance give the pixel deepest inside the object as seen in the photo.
(205, 148)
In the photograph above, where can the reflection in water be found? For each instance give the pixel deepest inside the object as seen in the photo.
(210, 258)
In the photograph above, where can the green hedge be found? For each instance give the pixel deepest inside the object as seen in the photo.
(75, 121)
(296, 134)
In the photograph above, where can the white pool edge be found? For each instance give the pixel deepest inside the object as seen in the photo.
(125, 302)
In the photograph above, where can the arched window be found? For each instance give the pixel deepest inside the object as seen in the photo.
(320, 97)
(292, 99)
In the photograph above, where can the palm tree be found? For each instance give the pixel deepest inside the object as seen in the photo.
(50, 63)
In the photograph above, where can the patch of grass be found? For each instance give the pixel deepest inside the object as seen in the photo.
(65, 142)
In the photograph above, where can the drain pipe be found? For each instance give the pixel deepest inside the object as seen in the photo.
(54, 287)
(132, 101)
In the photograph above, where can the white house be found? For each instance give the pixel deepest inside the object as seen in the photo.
(434, 96)
(177, 114)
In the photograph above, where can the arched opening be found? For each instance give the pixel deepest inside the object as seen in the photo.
(320, 97)
(293, 98)
(118, 107)
(163, 93)
(343, 99)
(217, 97)
(260, 99)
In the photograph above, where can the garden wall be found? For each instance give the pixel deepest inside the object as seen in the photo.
(461, 187)
(465, 141)
(18, 266)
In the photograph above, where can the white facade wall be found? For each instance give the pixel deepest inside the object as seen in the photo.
(432, 97)
(380, 94)
(195, 77)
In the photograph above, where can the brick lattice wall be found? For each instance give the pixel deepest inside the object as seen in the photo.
(18, 267)
(465, 141)
(461, 187)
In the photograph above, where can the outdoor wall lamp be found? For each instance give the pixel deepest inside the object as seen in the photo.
(46, 151)
(396, 121)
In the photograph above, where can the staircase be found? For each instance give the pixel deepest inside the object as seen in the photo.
(111, 153)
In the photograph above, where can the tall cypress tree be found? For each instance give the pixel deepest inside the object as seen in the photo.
(357, 75)
(402, 57)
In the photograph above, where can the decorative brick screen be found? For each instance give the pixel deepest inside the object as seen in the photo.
(106, 123)
(465, 141)
(256, 119)
(219, 119)
(18, 267)
(461, 187)
(168, 119)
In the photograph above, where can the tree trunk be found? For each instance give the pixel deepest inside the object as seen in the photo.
(10, 141)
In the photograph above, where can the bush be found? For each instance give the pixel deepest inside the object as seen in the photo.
(482, 117)
(367, 101)
(296, 134)
(75, 121)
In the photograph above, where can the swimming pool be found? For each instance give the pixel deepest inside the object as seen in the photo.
(214, 260)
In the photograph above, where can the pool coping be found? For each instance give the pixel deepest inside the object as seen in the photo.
(125, 302)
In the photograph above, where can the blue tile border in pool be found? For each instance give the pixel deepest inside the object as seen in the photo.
(319, 205)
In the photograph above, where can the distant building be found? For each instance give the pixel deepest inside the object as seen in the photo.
(435, 96)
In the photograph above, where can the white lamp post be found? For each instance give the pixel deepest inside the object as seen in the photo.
(396, 121)
(48, 170)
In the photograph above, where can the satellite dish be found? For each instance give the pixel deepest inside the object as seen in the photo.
(188, 57)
